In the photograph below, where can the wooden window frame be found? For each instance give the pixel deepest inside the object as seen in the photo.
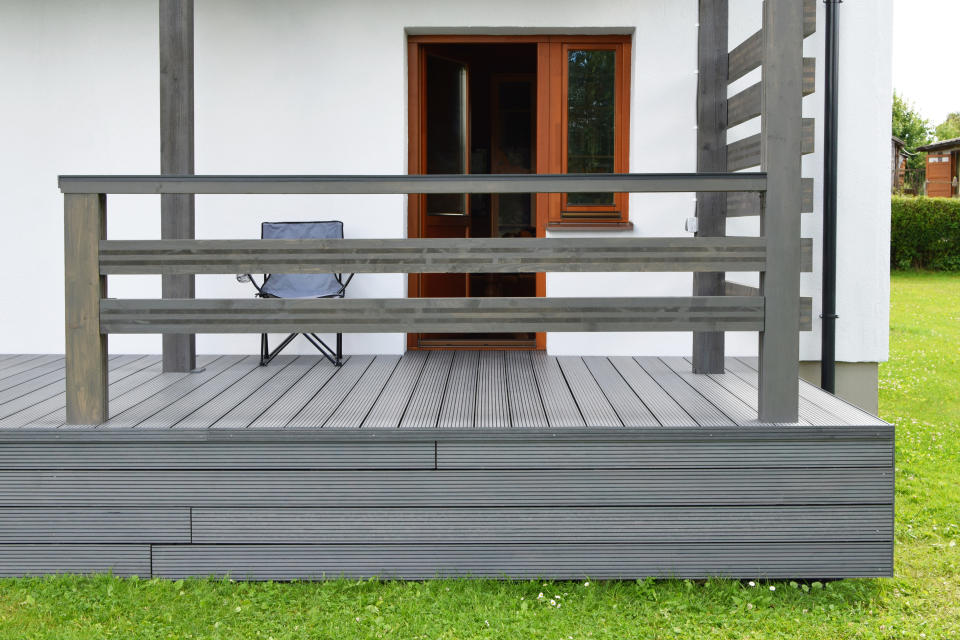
(560, 213)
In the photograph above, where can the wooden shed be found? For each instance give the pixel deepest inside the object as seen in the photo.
(943, 168)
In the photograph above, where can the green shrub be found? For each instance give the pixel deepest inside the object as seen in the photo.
(925, 233)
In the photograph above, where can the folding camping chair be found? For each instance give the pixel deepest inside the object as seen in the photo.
(301, 285)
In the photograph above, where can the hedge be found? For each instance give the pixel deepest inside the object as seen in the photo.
(925, 233)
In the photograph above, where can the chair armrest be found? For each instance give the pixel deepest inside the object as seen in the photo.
(246, 277)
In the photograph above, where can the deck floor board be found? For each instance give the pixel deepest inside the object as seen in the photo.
(484, 390)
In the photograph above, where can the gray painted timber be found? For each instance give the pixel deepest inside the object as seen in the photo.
(121, 560)
(700, 409)
(744, 385)
(594, 406)
(356, 406)
(15, 373)
(202, 396)
(743, 58)
(259, 401)
(849, 413)
(254, 379)
(177, 219)
(748, 104)
(423, 409)
(740, 205)
(783, 132)
(717, 451)
(809, 18)
(806, 302)
(526, 403)
(396, 488)
(493, 406)
(227, 455)
(526, 561)
(327, 399)
(465, 525)
(433, 255)
(33, 412)
(94, 525)
(629, 406)
(158, 402)
(558, 402)
(662, 405)
(392, 184)
(458, 410)
(748, 152)
(712, 123)
(286, 406)
(390, 407)
(724, 400)
(464, 315)
(85, 225)
(521, 499)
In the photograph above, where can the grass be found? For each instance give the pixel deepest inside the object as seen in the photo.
(918, 391)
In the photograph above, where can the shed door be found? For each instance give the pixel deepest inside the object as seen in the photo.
(939, 176)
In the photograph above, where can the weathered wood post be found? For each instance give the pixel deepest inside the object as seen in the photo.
(780, 221)
(176, 158)
(84, 226)
(708, 347)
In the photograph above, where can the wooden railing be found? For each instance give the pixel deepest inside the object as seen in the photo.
(778, 196)
(90, 258)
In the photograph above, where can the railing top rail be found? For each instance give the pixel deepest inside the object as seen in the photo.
(398, 184)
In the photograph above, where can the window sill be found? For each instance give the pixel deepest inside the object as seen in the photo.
(589, 226)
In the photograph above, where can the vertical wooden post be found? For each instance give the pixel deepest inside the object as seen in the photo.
(780, 220)
(176, 158)
(84, 225)
(708, 347)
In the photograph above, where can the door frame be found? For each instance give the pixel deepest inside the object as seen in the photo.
(416, 129)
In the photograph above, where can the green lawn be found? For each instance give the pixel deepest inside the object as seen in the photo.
(919, 393)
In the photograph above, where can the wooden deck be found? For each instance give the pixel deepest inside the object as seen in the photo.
(420, 390)
(442, 463)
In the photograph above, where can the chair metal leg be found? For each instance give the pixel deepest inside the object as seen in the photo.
(321, 346)
(265, 355)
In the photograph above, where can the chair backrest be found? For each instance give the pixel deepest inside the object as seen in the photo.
(301, 285)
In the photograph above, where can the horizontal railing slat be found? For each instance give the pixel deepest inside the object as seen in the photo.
(746, 153)
(748, 104)
(806, 303)
(745, 57)
(435, 255)
(395, 184)
(459, 315)
(740, 205)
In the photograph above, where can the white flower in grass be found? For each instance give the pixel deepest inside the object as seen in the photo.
(587, 583)
(540, 597)
(772, 588)
(752, 583)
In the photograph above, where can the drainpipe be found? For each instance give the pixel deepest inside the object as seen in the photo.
(829, 315)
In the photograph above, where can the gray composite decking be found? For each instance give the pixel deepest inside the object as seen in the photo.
(438, 463)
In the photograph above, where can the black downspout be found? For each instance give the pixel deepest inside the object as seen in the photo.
(829, 316)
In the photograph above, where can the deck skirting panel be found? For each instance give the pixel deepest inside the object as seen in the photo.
(553, 561)
(636, 470)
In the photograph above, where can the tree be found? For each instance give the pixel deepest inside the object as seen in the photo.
(909, 126)
(949, 128)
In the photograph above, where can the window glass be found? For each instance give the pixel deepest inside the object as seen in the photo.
(591, 112)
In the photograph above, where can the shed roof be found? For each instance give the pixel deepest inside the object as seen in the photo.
(944, 145)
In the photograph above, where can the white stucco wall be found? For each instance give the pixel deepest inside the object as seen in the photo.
(298, 86)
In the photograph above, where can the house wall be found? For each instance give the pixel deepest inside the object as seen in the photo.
(296, 86)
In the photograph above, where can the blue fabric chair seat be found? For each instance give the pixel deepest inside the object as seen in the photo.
(301, 285)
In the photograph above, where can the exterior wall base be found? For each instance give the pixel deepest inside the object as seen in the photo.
(857, 382)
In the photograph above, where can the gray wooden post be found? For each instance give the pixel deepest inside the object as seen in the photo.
(84, 225)
(708, 347)
(176, 157)
(780, 220)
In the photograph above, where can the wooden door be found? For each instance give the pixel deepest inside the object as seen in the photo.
(446, 150)
(939, 175)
